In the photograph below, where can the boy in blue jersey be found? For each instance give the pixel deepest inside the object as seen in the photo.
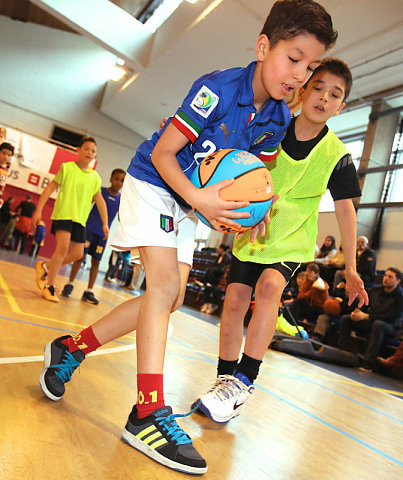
(311, 159)
(240, 108)
(95, 239)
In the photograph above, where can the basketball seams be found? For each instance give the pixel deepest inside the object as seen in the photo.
(216, 167)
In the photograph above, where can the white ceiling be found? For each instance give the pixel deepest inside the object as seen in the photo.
(186, 46)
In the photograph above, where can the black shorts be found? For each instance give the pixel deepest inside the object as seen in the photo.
(77, 230)
(248, 273)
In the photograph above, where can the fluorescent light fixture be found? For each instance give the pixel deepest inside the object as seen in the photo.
(191, 1)
(164, 11)
(117, 72)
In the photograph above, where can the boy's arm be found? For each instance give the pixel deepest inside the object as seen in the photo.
(103, 212)
(47, 192)
(206, 200)
(346, 218)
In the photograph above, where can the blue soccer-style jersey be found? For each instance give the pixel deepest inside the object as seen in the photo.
(94, 222)
(218, 113)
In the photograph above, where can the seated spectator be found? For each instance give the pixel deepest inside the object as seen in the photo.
(384, 317)
(334, 308)
(366, 263)
(313, 293)
(329, 267)
(393, 363)
(224, 256)
(291, 293)
(213, 294)
(23, 227)
(5, 213)
(7, 236)
(118, 266)
(327, 250)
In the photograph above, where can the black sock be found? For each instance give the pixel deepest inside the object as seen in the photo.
(249, 366)
(226, 367)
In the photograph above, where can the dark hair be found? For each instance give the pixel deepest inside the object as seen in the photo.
(314, 267)
(224, 247)
(7, 146)
(396, 271)
(338, 68)
(289, 18)
(117, 170)
(324, 250)
(85, 140)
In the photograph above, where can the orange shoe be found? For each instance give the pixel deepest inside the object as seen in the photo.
(49, 293)
(41, 274)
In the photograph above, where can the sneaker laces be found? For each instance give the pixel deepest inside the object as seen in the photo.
(174, 431)
(67, 367)
(227, 386)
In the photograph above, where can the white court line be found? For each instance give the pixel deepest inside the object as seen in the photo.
(104, 351)
(39, 358)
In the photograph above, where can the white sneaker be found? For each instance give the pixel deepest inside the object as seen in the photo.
(225, 399)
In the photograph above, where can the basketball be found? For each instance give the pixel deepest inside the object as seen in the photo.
(332, 307)
(253, 183)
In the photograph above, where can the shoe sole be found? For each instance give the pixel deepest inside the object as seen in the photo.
(205, 411)
(40, 272)
(89, 302)
(46, 357)
(134, 442)
(50, 299)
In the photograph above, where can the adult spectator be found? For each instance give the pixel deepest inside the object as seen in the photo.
(395, 362)
(311, 297)
(213, 277)
(366, 262)
(384, 317)
(329, 267)
(23, 227)
(327, 250)
(5, 213)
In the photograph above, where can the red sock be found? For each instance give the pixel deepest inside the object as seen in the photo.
(85, 341)
(150, 396)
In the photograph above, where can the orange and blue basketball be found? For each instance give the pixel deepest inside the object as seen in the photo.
(253, 183)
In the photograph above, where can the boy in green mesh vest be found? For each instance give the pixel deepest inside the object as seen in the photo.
(311, 159)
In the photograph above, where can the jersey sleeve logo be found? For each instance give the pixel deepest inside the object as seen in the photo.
(204, 102)
(261, 138)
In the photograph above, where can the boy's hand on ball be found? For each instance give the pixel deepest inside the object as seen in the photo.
(215, 209)
(261, 227)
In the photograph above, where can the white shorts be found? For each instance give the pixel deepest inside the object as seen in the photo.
(150, 217)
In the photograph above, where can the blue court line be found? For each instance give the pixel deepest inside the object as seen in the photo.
(196, 329)
(205, 357)
(352, 437)
(52, 328)
(365, 444)
(306, 379)
(108, 303)
(351, 399)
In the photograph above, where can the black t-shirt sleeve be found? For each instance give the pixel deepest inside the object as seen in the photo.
(343, 183)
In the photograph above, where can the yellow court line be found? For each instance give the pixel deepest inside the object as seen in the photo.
(16, 309)
(13, 304)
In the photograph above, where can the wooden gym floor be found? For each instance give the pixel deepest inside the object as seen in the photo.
(302, 422)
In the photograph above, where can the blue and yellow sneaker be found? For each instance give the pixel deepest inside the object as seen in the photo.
(59, 367)
(159, 437)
